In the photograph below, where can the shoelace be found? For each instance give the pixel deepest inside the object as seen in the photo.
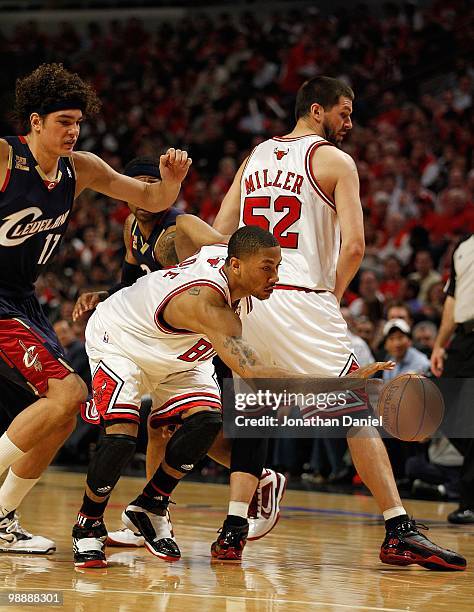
(15, 527)
(412, 525)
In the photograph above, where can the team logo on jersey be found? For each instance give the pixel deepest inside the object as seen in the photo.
(280, 153)
(15, 228)
(98, 393)
(215, 261)
(21, 163)
(30, 358)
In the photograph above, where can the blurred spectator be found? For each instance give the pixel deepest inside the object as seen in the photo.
(425, 274)
(391, 280)
(433, 306)
(399, 310)
(365, 329)
(368, 291)
(398, 344)
(424, 336)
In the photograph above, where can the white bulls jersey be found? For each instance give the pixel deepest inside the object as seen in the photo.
(131, 320)
(280, 194)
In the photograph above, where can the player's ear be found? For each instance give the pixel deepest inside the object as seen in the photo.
(235, 265)
(317, 111)
(35, 122)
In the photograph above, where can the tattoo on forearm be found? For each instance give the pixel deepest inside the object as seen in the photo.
(241, 350)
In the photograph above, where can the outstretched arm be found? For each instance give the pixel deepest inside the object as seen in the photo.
(192, 233)
(94, 173)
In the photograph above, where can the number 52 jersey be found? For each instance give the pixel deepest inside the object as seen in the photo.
(131, 321)
(280, 193)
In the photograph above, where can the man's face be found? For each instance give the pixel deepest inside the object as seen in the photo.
(65, 333)
(397, 344)
(59, 131)
(258, 273)
(424, 337)
(398, 312)
(337, 121)
(423, 262)
(144, 216)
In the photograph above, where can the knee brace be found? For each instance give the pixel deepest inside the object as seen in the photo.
(193, 439)
(248, 455)
(110, 459)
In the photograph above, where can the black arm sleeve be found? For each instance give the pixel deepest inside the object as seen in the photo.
(130, 273)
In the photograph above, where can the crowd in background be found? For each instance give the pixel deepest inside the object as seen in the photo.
(217, 86)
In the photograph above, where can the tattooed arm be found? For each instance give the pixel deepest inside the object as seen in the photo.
(165, 248)
(204, 311)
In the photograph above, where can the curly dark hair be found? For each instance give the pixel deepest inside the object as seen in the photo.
(50, 85)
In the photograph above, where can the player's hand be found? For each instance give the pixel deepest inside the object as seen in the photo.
(174, 165)
(437, 360)
(87, 302)
(372, 368)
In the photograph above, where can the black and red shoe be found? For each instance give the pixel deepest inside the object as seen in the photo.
(404, 545)
(89, 544)
(230, 543)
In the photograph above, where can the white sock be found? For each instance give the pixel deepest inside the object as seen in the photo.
(9, 453)
(393, 512)
(238, 509)
(13, 490)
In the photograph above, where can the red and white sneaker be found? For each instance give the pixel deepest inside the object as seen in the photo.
(264, 509)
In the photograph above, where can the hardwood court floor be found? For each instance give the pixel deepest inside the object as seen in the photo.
(323, 555)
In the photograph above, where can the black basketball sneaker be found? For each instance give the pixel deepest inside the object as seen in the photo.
(405, 545)
(230, 543)
(88, 542)
(149, 517)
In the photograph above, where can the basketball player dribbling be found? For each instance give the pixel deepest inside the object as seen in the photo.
(305, 190)
(40, 176)
(150, 245)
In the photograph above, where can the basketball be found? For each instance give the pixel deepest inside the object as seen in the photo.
(411, 407)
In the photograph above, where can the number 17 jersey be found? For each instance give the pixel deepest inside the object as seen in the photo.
(280, 193)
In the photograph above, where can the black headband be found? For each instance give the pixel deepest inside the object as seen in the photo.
(53, 107)
(142, 168)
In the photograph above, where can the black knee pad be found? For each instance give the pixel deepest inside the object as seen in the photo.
(248, 455)
(109, 461)
(193, 439)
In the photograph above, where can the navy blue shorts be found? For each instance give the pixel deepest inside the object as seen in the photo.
(30, 352)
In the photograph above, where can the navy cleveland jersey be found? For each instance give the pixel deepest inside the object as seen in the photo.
(34, 213)
(144, 250)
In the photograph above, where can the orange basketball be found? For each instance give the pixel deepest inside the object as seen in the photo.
(411, 407)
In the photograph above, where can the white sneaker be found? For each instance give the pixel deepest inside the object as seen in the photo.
(126, 538)
(264, 509)
(15, 539)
